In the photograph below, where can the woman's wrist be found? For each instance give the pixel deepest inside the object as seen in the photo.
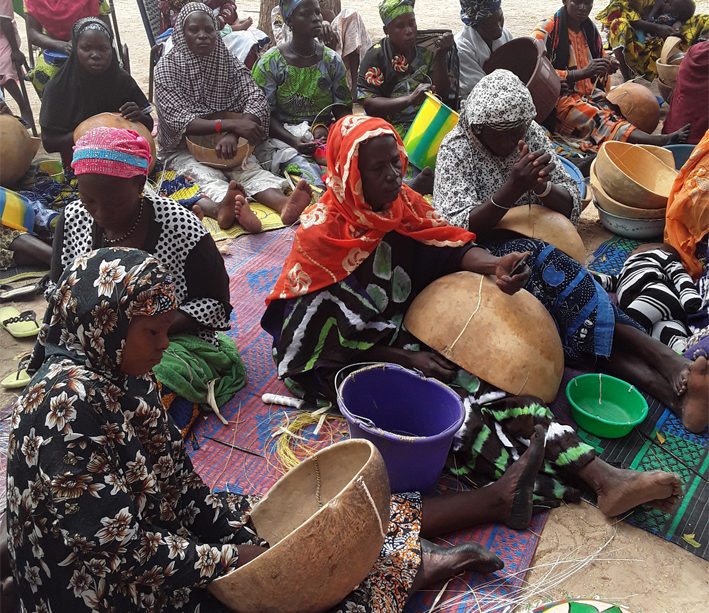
(544, 192)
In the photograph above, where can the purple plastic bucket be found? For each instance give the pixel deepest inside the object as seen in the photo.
(411, 420)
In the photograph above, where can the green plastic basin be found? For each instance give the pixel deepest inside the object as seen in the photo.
(605, 406)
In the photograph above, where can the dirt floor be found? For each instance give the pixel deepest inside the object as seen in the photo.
(635, 568)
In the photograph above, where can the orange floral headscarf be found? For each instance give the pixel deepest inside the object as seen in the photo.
(340, 231)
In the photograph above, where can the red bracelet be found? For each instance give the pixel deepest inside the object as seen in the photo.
(218, 126)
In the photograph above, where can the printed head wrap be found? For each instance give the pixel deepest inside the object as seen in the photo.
(472, 12)
(111, 151)
(86, 24)
(389, 10)
(95, 299)
(288, 6)
(340, 231)
(499, 101)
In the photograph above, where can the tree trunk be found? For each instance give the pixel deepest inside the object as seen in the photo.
(264, 16)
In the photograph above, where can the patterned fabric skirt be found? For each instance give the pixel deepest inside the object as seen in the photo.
(496, 434)
(590, 119)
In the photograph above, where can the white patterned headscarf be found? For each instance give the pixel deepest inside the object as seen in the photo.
(499, 101)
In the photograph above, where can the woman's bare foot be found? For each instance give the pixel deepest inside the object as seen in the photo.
(226, 209)
(439, 563)
(516, 487)
(297, 201)
(620, 490)
(695, 409)
(245, 216)
(197, 210)
(680, 136)
(243, 24)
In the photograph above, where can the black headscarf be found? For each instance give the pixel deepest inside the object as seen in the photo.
(558, 41)
(74, 94)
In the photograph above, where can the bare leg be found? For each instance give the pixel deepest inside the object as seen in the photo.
(25, 110)
(29, 250)
(624, 68)
(643, 138)
(620, 490)
(242, 24)
(653, 367)
(289, 207)
(507, 500)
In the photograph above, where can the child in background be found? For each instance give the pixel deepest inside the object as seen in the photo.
(10, 57)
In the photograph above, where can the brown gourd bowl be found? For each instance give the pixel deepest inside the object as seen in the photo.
(667, 73)
(618, 208)
(633, 176)
(202, 147)
(671, 47)
(17, 150)
(115, 120)
(325, 522)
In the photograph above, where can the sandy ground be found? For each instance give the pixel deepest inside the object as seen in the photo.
(635, 568)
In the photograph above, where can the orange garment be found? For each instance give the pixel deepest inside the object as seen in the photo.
(687, 218)
(340, 231)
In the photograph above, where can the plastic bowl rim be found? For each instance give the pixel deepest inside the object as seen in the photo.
(643, 412)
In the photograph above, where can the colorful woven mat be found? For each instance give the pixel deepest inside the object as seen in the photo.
(611, 255)
(254, 265)
(270, 220)
(660, 443)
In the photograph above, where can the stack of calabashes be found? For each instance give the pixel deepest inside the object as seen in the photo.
(631, 185)
(668, 65)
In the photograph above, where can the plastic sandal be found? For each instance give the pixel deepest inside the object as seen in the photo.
(20, 325)
(8, 292)
(19, 378)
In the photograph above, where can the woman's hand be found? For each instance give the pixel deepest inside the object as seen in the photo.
(505, 266)
(597, 67)
(329, 36)
(432, 364)
(305, 146)
(663, 31)
(131, 111)
(246, 128)
(226, 147)
(530, 169)
(444, 43)
(419, 94)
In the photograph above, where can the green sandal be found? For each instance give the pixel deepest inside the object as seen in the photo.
(20, 325)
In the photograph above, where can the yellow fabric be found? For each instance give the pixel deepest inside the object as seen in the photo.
(687, 218)
(270, 220)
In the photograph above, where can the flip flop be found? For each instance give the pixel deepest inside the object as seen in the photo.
(8, 292)
(19, 378)
(20, 325)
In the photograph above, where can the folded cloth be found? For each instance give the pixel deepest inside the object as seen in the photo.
(189, 364)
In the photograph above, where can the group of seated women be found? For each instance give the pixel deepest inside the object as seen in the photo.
(105, 510)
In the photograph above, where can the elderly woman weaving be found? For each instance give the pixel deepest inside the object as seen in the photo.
(497, 158)
(360, 257)
(482, 33)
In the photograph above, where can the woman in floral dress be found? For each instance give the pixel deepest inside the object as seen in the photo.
(104, 509)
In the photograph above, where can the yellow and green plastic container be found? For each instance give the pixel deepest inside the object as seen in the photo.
(433, 121)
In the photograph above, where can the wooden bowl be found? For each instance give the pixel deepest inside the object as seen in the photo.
(617, 208)
(667, 73)
(17, 150)
(539, 222)
(325, 521)
(671, 47)
(633, 176)
(665, 90)
(637, 104)
(202, 147)
(115, 120)
(662, 154)
(510, 341)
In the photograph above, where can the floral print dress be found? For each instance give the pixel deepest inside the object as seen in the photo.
(105, 510)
